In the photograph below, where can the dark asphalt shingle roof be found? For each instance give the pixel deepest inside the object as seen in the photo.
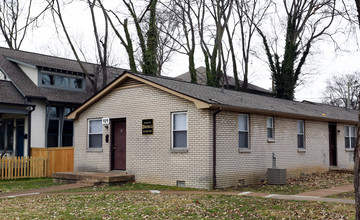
(254, 102)
(29, 89)
(9, 94)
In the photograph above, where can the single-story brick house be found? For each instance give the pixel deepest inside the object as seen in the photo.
(167, 131)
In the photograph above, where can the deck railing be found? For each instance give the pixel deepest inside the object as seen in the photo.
(23, 167)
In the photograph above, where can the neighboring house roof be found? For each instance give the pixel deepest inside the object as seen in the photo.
(201, 79)
(9, 94)
(205, 97)
(9, 60)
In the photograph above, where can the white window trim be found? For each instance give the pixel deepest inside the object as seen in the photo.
(172, 131)
(349, 126)
(248, 131)
(270, 139)
(88, 135)
(303, 134)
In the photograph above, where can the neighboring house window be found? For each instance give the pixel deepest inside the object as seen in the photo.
(95, 133)
(270, 127)
(243, 127)
(59, 130)
(62, 82)
(6, 135)
(300, 134)
(350, 139)
(179, 130)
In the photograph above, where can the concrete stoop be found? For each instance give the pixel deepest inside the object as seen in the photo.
(94, 178)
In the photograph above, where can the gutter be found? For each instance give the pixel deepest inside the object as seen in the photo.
(29, 129)
(214, 147)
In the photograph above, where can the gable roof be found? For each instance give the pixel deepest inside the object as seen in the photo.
(201, 79)
(9, 60)
(205, 97)
(9, 94)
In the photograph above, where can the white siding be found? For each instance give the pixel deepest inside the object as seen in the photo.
(32, 73)
(38, 119)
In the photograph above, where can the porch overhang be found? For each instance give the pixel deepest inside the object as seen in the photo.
(18, 109)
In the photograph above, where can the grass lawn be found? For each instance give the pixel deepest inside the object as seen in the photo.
(304, 183)
(25, 184)
(164, 206)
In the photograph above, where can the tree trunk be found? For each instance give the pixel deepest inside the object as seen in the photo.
(357, 147)
(357, 169)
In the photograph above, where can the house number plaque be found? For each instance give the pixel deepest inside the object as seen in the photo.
(147, 126)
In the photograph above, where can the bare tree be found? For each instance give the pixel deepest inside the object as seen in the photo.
(343, 91)
(16, 17)
(307, 21)
(101, 44)
(183, 36)
(220, 11)
(250, 14)
(167, 27)
(147, 37)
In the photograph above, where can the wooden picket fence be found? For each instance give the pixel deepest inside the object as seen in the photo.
(23, 167)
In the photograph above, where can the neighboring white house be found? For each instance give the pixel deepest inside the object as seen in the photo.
(167, 131)
(36, 92)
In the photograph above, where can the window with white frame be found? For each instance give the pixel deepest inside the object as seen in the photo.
(350, 133)
(243, 127)
(300, 134)
(95, 131)
(270, 127)
(179, 129)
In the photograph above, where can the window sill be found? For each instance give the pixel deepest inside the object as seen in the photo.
(244, 150)
(271, 140)
(349, 149)
(178, 150)
(301, 150)
(94, 150)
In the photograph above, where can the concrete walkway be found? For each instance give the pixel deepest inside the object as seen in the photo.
(318, 195)
(45, 190)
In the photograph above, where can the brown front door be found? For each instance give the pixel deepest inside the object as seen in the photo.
(118, 152)
(332, 144)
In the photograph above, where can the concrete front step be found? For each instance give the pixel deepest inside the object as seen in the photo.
(94, 178)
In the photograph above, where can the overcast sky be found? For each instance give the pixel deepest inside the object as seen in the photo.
(323, 64)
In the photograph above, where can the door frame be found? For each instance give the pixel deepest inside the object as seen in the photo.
(112, 139)
(333, 138)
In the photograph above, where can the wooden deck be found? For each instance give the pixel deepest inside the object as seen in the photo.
(96, 178)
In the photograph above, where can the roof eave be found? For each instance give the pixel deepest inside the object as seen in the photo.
(74, 115)
(281, 114)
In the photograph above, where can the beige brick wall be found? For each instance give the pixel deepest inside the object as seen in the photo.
(251, 165)
(345, 156)
(149, 156)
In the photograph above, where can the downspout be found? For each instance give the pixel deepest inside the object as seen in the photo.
(214, 147)
(29, 130)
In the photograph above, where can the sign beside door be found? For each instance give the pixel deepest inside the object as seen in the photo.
(147, 126)
(105, 121)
